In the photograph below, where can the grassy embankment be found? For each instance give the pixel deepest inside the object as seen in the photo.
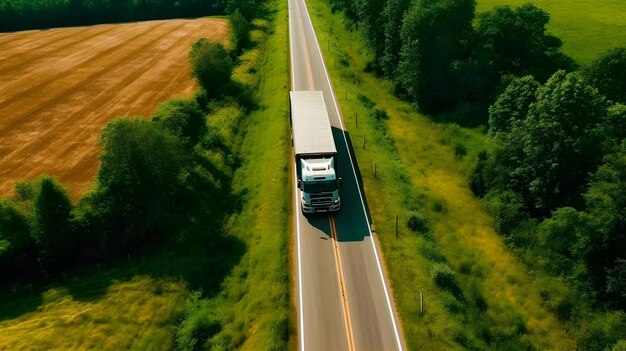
(587, 28)
(254, 304)
(138, 303)
(493, 301)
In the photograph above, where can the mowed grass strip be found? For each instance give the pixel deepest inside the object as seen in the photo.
(587, 28)
(492, 301)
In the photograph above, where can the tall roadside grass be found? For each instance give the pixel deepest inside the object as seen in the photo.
(476, 294)
(587, 28)
(253, 307)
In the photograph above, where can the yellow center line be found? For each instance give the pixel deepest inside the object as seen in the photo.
(306, 55)
(344, 297)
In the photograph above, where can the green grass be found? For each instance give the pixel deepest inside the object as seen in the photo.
(254, 304)
(587, 28)
(131, 305)
(492, 300)
(137, 304)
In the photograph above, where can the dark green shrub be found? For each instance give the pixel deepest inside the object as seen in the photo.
(417, 222)
(430, 251)
(616, 281)
(620, 345)
(379, 114)
(507, 209)
(240, 28)
(439, 205)
(213, 139)
(602, 332)
(479, 179)
(365, 101)
(211, 66)
(14, 227)
(477, 297)
(344, 60)
(445, 280)
(182, 118)
(460, 150)
(452, 304)
(197, 326)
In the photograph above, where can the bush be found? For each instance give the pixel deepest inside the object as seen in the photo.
(182, 118)
(439, 205)
(619, 346)
(240, 27)
(213, 139)
(507, 209)
(452, 304)
(211, 66)
(14, 227)
(365, 101)
(445, 280)
(430, 251)
(379, 114)
(616, 282)
(417, 222)
(197, 326)
(602, 332)
(460, 150)
(488, 172)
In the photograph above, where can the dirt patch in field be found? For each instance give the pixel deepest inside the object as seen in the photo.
(59, 87)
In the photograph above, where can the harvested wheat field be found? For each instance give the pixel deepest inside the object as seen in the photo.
(59, 87)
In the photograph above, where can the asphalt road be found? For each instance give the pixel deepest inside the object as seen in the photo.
(343, 302)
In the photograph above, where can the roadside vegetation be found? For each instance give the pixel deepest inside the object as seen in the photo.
(164, 251)
(529, 287)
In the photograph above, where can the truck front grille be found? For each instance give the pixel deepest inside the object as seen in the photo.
(322, 202)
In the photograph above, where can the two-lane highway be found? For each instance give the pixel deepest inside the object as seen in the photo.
(343, 302)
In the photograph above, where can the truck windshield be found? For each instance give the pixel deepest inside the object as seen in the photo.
(325, 186)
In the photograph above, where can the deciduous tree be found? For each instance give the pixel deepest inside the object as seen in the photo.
(140, 177)
(517, 43)
(52, 230)
(435, 34)
(511, 106)
(211, 66)
(608, 74)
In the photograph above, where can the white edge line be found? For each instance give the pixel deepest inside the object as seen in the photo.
(296, 208)
(380, 271)
(297, 200)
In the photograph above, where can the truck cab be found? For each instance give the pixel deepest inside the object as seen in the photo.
(319, 185)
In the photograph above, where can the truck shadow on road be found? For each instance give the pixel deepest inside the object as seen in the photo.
(352, 221)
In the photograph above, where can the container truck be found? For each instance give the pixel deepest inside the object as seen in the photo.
(315, 152)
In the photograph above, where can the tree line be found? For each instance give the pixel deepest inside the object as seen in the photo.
(442, 62)
(30, 14)
(556, 185)
(556, 181)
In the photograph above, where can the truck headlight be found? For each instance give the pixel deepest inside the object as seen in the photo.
(336, 202)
